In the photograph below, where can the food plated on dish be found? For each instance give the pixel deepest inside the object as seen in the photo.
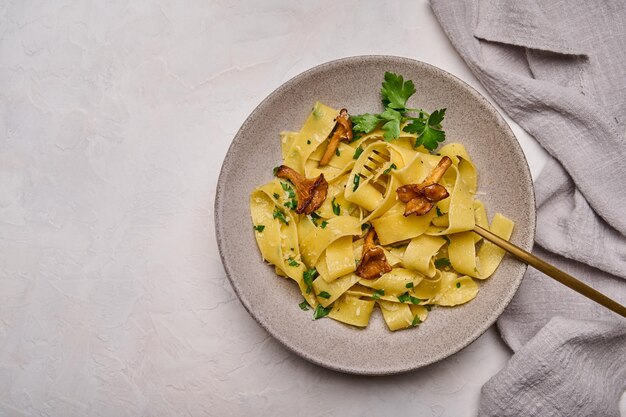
(369, 211)
(504, 186)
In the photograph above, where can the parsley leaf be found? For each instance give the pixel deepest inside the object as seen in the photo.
(355, 181)
(364, 123)
(287, 187)
(308, 276)
(388, 170)
(416, 321)
(441, 262)
(304, 306)
(324, 223)
(409, 285)
(314, 218)
(321, 311)
(458, 285)
(403, 298)
(377, 294)
(414, 300)
(291, 204)
(396, 91)
(324, 294)
(259, 228)
(428, 131)
(336, 207)
(278, 214)
(437, 117)
(439, 213)
(337, 152)
(357, 153)
(392, 124)
(292, 262)
(365, 226)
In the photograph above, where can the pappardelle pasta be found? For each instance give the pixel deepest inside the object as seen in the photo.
(365, 221)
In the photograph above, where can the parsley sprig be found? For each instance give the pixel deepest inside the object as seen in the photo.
(395, 93)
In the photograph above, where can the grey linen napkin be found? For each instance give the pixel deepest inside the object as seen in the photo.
(558, 68)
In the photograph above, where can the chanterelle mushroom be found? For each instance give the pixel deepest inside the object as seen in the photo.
(342, 132)
(373, 261)
(420, 198)
(311, 193)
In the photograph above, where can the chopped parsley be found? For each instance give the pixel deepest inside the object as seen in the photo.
(308, 276)
(292, 262)
(336, 207)
(324, 294)
(355, 182)
(403, 298)
(259, 228)
(288, 188)
(388, 170)
(292, 203)
(365, 226)
(321, 311)
(278, 214)
(416, 321)
(458, 285)
(304, 306)
(314, 218)
(377, 294)
(275, 170)
(276, 196)
(439, 213)
(395, 94)
(357, 153)
(441, 262)
(409, 285)
(415, 300)
(337, 152)
(308, 142)
(447, 239)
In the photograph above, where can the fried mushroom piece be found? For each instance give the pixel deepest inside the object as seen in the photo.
(342, 132)
(373, 262)
(311, 193)
(421, 198)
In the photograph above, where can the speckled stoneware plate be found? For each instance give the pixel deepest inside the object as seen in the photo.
(354, 83)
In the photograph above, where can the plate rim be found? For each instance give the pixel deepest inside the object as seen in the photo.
(480, 330)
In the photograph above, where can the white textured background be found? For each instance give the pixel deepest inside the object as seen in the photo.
(114, 119)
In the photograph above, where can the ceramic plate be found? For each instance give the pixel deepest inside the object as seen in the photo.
(354, 83)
